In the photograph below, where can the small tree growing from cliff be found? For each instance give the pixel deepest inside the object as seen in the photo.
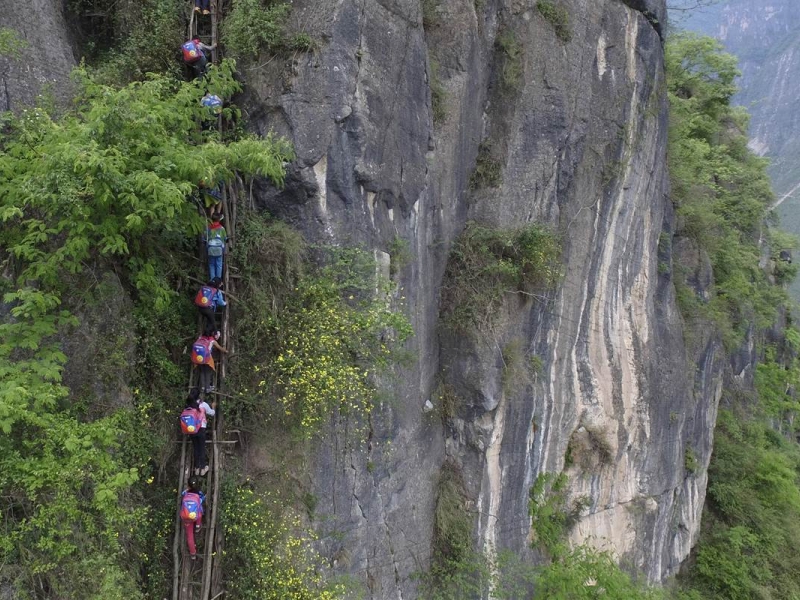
(487, 264)
(721, 190)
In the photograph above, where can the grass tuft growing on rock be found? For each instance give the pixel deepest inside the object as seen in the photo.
(510, 50)
(488, 170)
(438, 94)
(557, 16)
(589, 449)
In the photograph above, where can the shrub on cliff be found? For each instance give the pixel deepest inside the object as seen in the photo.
(487, 264)
(750, 544)
(721, 190)
(315, 333)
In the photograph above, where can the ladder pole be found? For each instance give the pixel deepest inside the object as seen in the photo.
(176, 543)
(210, 535)
(214, 38)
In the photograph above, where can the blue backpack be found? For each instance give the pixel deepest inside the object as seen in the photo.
(213, 103)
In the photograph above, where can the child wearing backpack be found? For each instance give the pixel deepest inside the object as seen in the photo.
(208, 298)
(191, 513)
(194, 55)
(216, 237)
(203, 358)
(194, 424)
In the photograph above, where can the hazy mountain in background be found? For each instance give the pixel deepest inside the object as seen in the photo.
(765, 35)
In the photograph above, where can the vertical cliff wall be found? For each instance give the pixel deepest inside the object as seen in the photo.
(46, 59)
(581, 141)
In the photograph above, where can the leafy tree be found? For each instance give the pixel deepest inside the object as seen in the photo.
(750, 542)
(105, 183)
(586, 574)
(11, 45)
(721, 190)
(253, 25)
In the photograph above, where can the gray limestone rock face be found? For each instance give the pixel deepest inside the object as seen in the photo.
(580, 140)
(46, 59)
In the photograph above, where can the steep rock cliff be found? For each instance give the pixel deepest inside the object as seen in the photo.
(581, 142)
(46, 58)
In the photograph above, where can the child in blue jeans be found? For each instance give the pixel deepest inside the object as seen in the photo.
(216, 237)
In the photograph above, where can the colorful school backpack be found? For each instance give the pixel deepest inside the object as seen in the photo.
(201, 351)
(213, 103)
(205, 296)
(191, 506)
(191, 52)
(191, 421)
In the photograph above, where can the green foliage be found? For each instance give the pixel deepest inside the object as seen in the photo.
(11, 45)
(783, 272)
(255, 25)
(113, 178)
(302, 42)
(750, 542)
(750, 538)
(550, 512)
(429, 10)
(519, 367)
(486, 264)
(327, 350)
(557, 16)
(399, 255)
(438, 94)
(457, 569)
(777, 377)
(452, 529)
(588, 574)
(127, 40)
(267, 554)
(488, 170)
(103, 186)
(690, 462)
(316, 334)
(512, 70)
(446, 401)
(721, 190)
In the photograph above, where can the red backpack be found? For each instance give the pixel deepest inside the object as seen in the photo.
(201, 350)
(205, 296)
(191, 52)
(191, 506)
(191, 420)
